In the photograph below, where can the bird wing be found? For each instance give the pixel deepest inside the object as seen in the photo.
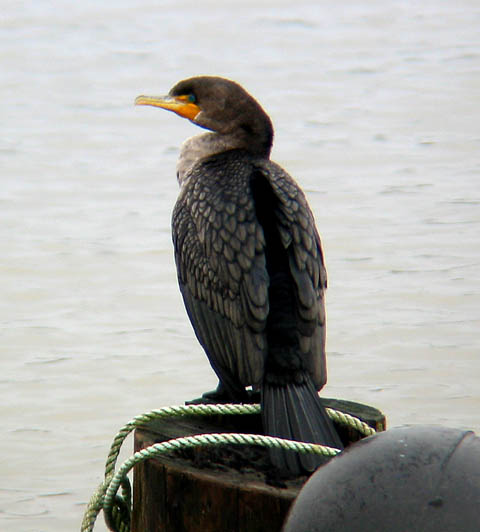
(298, 232)
(219, 252)
(220, 256)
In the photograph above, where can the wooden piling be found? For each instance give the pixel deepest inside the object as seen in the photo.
(219, 489)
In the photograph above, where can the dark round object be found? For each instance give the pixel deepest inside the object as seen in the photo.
(408, 478)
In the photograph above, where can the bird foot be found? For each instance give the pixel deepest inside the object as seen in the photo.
(220, 396)
(212, 397)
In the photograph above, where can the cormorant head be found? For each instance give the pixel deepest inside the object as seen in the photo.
(220, 105)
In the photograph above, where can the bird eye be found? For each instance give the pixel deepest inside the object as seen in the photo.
(192, 98)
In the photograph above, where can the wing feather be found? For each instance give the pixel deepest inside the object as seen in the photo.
(221, 269)
(299, 234)
(220, 255)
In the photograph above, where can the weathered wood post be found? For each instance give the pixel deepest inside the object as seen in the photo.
(219, 489)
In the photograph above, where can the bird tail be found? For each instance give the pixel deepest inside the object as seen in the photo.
(293, 410)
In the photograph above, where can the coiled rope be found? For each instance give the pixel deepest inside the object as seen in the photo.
(117, 508)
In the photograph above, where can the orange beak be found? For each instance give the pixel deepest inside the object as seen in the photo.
(178, 104)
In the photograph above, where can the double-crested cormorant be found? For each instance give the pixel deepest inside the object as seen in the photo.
(250, 263)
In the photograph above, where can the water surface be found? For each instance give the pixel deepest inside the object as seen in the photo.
(376, 112)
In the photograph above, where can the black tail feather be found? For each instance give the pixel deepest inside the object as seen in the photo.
(294, 411)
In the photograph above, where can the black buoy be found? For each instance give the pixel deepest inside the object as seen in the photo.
(410, 478)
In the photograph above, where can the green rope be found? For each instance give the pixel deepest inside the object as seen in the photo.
(117, 508)
(350, 421)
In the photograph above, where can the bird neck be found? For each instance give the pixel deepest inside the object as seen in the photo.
(207, 144)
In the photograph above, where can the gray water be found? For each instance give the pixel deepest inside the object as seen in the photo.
(377, 112)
